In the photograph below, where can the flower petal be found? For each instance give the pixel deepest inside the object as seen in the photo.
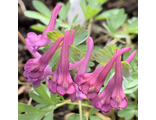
(106, 108)
(130, 58)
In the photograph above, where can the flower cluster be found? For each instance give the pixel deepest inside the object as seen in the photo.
(85, 84)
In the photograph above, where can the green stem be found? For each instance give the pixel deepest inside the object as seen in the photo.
(80, 110)
(21, 37)
(113, 114)
(61, 104)
(69, 102)
(89, 28)
(98, 39)
(84, 105)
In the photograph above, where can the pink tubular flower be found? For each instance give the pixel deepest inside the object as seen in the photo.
(38, 69)
(118, 98)
(47, 70)
(102, 101)
(130, 58)
(40, 40)
(78, 95)
(90, 84)
(62, 82)
(36, 82)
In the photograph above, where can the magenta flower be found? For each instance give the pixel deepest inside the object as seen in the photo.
(90, 84)
(62, 82)
(47, 70)
(102, 101)
(40, 40)
(130, 58)
(36, 82)
(35, 68)
(78, 95)
(118, 98)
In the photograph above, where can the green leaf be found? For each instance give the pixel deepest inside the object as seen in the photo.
(106, 14)
(136, 113)
(47, 89)
(89, 11)
(41, 105)
(133, 63)
(38, 98)
(101, 1)
(49, 116)
(75, 117)
(55, 60)
(80, 34)
(125, 82)
(71, 106)
(130, 90)
(42, 8)
(107, 28)
(54, 98)
(95, 118)
(64, 10)
(48, 107)
(121, 36)
(30, 109)
(74, 54)
(74, 20)
(38, 27)
(95, 4)
(54, 35)
(45, 21)
(62, 24)
(42, 93)
(130, 106)
(32, 116)
(46, 47)
(111, 22)
(93, 111)
(35, 15)
(127, 114)
(120, 19)
(109, 76)
(91, 64)
(133, 27)
(133, 83)
(104, 55)
(126, 69)
(115, 21)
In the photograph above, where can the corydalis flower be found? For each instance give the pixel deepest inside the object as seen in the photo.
(35, 68)
(62, 82)
(47, 70)
(118, 98)
(90, 84)
(40, 40)
(102, 101)
(36, 82)
(78, 95)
